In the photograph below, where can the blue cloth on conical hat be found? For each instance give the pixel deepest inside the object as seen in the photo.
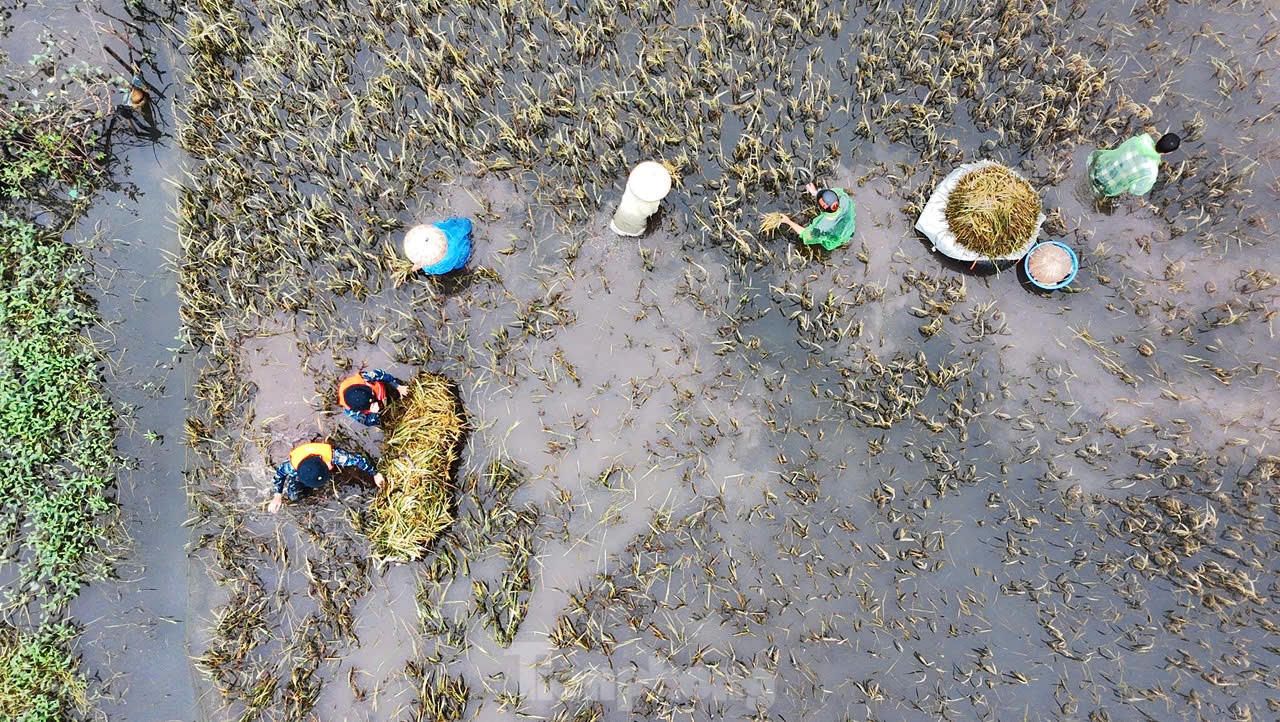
(457, 231)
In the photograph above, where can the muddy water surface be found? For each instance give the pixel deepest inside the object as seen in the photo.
(861, 485)
(136, 629)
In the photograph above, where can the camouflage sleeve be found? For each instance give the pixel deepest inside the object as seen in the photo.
(344, 458)
(283, 472)
(364, 417)
(377, 375)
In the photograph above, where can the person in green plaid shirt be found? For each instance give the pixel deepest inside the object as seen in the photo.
(1130, 168)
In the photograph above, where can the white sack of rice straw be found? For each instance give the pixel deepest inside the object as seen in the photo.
(933, 220)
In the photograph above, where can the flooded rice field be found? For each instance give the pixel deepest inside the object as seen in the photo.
(711, 473)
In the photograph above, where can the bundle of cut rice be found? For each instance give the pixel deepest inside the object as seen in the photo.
(418, 459)
(982, 211)
(771, 221)
(993, 212)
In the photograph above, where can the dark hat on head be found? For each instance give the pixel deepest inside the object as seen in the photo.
(1168, 143)
(313, 472)
(358, 397)
(828, 200)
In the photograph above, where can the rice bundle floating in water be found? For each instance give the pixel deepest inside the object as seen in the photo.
(418, 459)
(982, 211)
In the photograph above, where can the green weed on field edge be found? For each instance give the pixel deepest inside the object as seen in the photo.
(57, 424)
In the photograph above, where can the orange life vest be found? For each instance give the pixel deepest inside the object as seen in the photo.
(315, 448)
(379, 389)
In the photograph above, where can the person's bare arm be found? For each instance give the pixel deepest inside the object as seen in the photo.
(813, 189)
(792, 224)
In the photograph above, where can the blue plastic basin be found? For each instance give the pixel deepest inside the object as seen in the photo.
(1075, 266)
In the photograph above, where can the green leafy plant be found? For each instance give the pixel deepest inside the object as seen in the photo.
(57, 425)
(39, 676)
(57, 433)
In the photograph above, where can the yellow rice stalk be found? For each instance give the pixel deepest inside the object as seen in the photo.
(771, 221)
(418, 458)
(992, 211)
(674, 170)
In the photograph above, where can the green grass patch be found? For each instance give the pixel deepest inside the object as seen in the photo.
(39, 677)
(42, 155)
(57, 427)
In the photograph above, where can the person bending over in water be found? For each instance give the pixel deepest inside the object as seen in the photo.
(363, 396)
(835, 222)
(309, 467)
(439, 248)
(1130, 168)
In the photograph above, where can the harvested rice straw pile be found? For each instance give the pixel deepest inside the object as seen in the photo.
(992, 211)
(417, 460)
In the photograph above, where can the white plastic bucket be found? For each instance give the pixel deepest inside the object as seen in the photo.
(647, 185)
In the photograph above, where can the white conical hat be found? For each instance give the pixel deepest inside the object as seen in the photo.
(650, 181)
(425, 245)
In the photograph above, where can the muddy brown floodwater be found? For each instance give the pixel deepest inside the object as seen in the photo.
(751, 481)
(136, 627)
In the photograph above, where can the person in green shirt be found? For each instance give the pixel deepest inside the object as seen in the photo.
(835, 222)
(1130, 168)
